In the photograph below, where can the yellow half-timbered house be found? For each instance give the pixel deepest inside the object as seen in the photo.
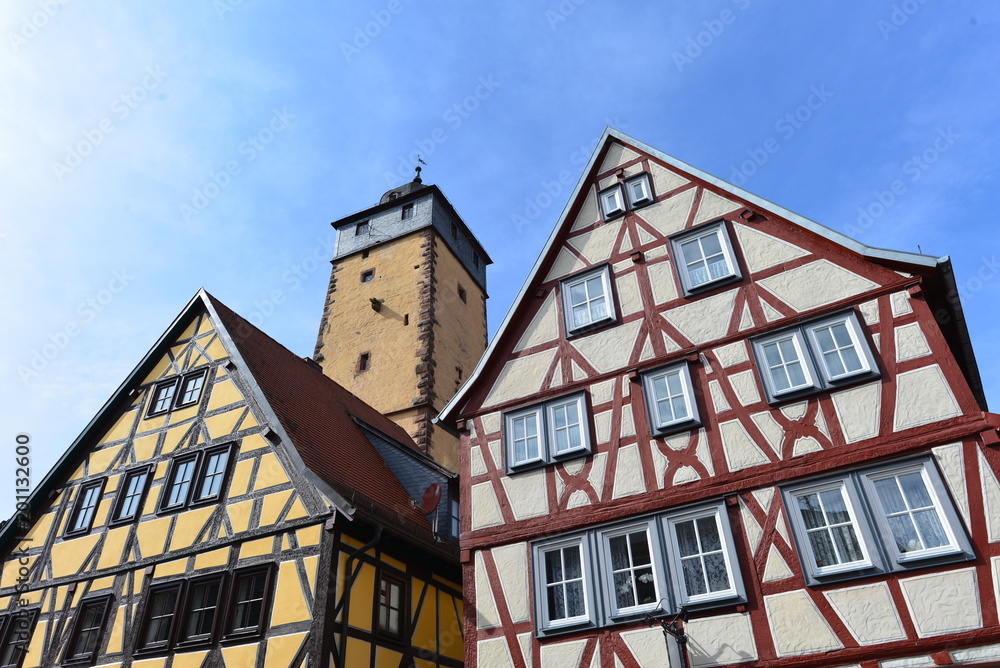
(232, 506)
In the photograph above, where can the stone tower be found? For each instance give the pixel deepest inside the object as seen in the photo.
(404, 322)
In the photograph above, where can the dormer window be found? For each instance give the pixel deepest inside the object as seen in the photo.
(612, 203)
(638, 190)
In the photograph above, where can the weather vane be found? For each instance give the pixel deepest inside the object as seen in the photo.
(416, 179)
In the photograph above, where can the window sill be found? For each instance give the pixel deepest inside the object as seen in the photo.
(704, 288)
(590, 328)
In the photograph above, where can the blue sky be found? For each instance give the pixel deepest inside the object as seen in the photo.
(153, 148)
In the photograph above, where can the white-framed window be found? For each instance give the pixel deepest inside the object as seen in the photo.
(826, 518)
(612, 202)
(547, 432)
(814, 356)
(563, 583)
(887, 518)
(638, 191)
(704, 258)
(618, 572)
(670, 397)
(702, 556)
(911, 509)
(587, 300)
(633, 569)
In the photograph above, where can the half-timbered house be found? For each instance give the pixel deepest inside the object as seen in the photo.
(712, 432)
(232, 506)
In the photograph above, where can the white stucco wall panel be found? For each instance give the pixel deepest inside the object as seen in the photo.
(491, 423)
(991, 499)
(976, 654)
(941, 603)
(911, 343)
(588, 214)
(771, 430)
(520, 377)
(602, 427)
(477, 465)
(669, 215)
(628, 473)
(901, 304)
(646, 645)
(868, 613)
(776, 568)
(665, 180)
(858, 411)
(923, 396)
(705, 319)
(952, 464)
(745, 387)
(544, 327)
(609, 349)
(628, 294)
(816, 284)
(598, 244)
(598, 471)
(512, 568)
(487, 616)
(565, 264)
(527, 493)
(869, 311)
(719, 641)
(713, 206)
(562, 654)
(763, 251)
(485, 507)
(494, 653)
(732, 354)
(740, 450)
(718, 398)
(752, 528)
(797, 625)
(617, 154)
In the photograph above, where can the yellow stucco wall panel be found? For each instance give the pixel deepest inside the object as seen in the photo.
(224, 393)
(114, 544)
(289, 602)
(296, 511)
(362, 599)
(40, 529)
(423, 663)
(309, 536)
(144, 447)
(189, 526)
(168, 568)
(116, 641)
(161, 469)
(425, 630)
(101, 515)
(240, 656)
(100, 460)
(450, 583)
(121, 429)
(189, 660)
(111, 484)
(32, 597)
(205, 326)
(173, 437)
(273, 505)
(359, 653)
(241, 478)
(69, 555)
(249, 422)
(158, 370)
(451, 644)
(255, 548)
(77, 474)
(286, 544)
(395, 563)
(152, 536)
(216, 350)
(33, 657)
(311, 565)
(281, 650)
(149, 663)
(138, 577)
(148, 424)
(98, 584)
(152, 498)
(211, 559)
(270, 473)
(348, 540)
(190, 330)
(222, 424)
(239, 515)
(387, 658)
(417, 587)
(183, 414)
(254, 442)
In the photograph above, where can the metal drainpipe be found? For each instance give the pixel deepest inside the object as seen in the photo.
(347, 588)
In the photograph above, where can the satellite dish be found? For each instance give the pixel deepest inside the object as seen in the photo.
(432, 496)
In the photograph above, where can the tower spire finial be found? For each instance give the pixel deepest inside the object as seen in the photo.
(417, 179)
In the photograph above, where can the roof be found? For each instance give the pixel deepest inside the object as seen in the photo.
(320, 419)
(897, 259)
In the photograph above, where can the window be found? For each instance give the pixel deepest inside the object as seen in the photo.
(587, 300)
(367, 275)
(544, 433)
(475, 260)
(638, 190)
(462, 295)
(813, 357)
(361, 228)
(364, 362)
(247, 602)
(196, 478)
(203, 600)
(612, 204)
(130, 495)
(178, 392)
(704, 258)
(633, 569)
(407, 212)
(82, 516)
(702, 556)
(16, 632)
(632, 574)
(563, 582)
(888, 518)
(456, 527)
(85, 639)
(191, 386)
(670, 398)
(158, 619)
(454, 231)
(391, 605)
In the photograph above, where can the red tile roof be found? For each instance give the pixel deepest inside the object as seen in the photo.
(319, 417)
